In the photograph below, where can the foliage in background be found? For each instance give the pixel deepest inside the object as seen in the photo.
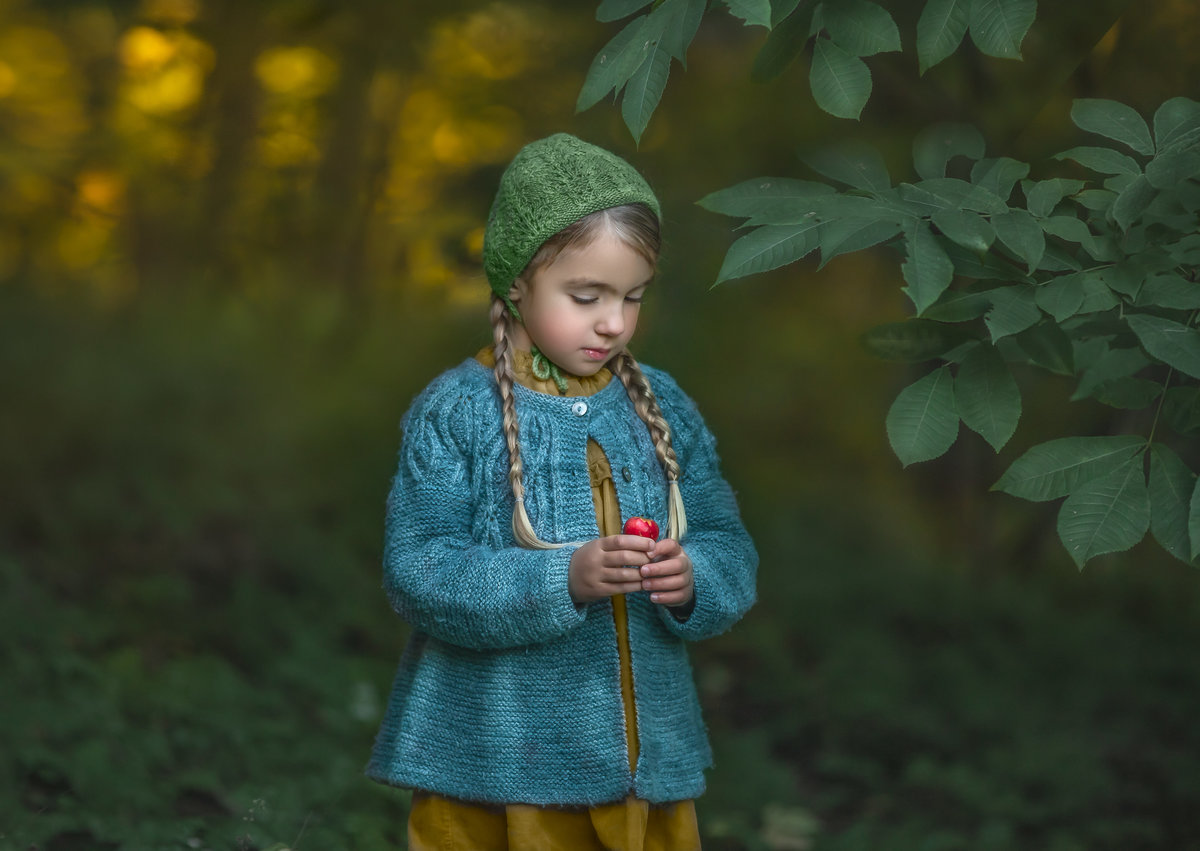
(1090, 276)
(195, 648)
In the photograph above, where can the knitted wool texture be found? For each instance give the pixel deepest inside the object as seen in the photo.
(552, 183)
(508, 692)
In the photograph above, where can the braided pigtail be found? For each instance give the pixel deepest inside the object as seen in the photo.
(522, 528)
(646, 406)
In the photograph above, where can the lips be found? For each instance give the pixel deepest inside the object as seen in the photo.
(596, 354)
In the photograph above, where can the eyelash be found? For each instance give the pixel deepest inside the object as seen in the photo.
(592, 300)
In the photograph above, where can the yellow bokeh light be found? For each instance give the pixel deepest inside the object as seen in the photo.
(101, 191)
(81, 244)
(473, 242)
(469, 141)
(300, 71)
(175, 89)
(495, 43)
(288, 139)
(146, 49)
(8, 80)
(177, 12)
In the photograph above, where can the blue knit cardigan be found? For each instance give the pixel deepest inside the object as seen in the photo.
(509, 692)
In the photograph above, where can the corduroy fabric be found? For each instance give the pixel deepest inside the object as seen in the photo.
(508, 692)
(552, 183)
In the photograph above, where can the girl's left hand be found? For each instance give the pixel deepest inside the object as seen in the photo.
(669, 577)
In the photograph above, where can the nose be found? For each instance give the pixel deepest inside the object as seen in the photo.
(611, 322)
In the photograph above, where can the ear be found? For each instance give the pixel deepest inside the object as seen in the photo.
(516, 290)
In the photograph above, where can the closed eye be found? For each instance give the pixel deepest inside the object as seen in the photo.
(581, 299)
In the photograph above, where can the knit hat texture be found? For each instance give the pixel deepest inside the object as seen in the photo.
(550, 184)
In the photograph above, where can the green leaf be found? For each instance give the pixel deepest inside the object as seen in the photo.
(949, 193)
(1124, 278)
(1128, 394)
(846, 235)
(1097, 200)
(1058, 467)
(767, 200)
(970, 230)
(614, 64)
(1171, 342)
(1113, 120)
(1169, 290)
(935, 146)
(999, 175)
(1021, 234)
(1062, 296)
(998, 26)
(1047, 345)
(768, 247)
(987, 396)
(855, 165)
(784, 44)
(614, 10)
(1067, 227)
(1132, 202)
(1177, 124)
(1013, 310)
(1166, 170)
(1194, 521)
(782, 9)
(1102, 160)
(1181, 410)
(1055, 259)
(753, 12)
(927, 269)
(644, 90)
(861, 27)
(840, 81)
(1171, 485)
(1113, 365)
(912, 341)
(940, 30)
(981, 267)
(1186, 251)
(1106, 515)
(1097, 296)
(959, 306)
(1043, 195)
(677, 21)
(923, 423)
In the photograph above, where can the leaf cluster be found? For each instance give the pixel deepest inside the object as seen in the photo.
(836, 35)
(1089, 273)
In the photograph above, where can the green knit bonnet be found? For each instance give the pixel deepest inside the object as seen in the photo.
(552, 183)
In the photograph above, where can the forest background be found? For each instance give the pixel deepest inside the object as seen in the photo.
(236, 238)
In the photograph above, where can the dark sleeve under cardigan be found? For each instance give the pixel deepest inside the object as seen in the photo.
(507, 686)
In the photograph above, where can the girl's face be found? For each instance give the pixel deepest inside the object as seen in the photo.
(581, 309)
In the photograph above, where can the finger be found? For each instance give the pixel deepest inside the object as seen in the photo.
(666, 583)
(626, 542)
(624, 558)
(666, 548)
(675, 598)
(620, 575)
(665, 568)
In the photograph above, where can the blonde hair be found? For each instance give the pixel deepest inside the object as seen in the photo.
(637, 226)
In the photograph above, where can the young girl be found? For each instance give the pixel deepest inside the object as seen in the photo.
(545, 699)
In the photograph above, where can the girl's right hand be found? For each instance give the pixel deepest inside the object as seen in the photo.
(608, 566)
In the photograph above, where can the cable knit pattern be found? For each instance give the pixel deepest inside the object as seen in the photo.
(549, 184)
(509, 692)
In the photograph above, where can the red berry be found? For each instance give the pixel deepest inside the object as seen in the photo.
(641, 526)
